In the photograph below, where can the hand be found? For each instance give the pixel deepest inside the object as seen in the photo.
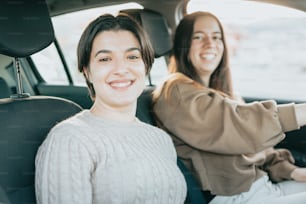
(299, 174)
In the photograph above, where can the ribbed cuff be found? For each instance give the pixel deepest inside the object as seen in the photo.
(287, 117)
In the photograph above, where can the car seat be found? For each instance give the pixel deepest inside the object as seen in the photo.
(25, 120)
(157, 28)
(4, 89)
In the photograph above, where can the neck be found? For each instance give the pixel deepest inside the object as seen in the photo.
(205, 80)
(123, 114)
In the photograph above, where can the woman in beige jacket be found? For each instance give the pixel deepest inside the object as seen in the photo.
(226, 143)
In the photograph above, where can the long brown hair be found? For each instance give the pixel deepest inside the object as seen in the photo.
(220, 79)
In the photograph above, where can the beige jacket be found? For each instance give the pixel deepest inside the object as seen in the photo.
(227, 144)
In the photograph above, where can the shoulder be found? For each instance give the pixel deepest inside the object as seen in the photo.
(71, 130)
(171, 87)
(68, 137)
(72, 124)
(179, 88)
(156, 131)
(178, 82)
(152, 128)
(147, 126)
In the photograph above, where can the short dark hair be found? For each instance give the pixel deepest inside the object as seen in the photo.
(108, 22)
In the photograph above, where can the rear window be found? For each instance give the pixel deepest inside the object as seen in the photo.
(267, 46)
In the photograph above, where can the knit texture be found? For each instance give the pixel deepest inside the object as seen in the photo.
(89, 159)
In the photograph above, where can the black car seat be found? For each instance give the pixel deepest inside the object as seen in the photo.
(4, 89)
(25, 120)
(157, 28)
(3, 197)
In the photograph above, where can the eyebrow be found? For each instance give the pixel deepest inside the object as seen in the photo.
(109, 51)
(215, 32)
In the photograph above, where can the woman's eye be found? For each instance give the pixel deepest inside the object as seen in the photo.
(104, 59)
(133, 57)
(197, 37)
(217, 37)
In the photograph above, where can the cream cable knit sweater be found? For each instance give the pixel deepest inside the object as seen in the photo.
(88, 159)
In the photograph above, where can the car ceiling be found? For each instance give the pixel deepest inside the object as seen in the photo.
(57, 7)
(62, 6)
(296, 4)
(166, 7)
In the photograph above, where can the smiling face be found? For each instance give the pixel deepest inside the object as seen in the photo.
(206, 47)
(116, 70)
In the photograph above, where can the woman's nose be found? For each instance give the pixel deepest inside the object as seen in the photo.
(121, 67)
(208, 42)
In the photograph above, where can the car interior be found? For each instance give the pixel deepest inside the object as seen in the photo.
(30, 107)
(27, 119)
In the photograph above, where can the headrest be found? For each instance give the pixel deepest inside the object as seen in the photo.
(26, 27)
(157, 28)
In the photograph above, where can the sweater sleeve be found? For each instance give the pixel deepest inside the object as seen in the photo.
(279, 164)
(208, 121)
(63, 169)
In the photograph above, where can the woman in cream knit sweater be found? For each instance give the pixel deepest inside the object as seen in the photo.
(105, 154)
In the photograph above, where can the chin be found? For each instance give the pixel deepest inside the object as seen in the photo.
(125, 101)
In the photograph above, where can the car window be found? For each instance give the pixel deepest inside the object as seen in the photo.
(50, 65)
(267, 46)
(68, 29)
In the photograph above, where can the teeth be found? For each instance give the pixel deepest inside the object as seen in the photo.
(120, 84)
(208, 56)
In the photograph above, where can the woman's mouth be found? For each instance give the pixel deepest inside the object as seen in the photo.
(208, 56)
(121, 84)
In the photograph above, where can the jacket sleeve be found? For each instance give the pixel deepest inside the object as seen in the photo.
(208, 121)
(279, 164)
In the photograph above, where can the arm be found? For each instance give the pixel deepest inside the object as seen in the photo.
(300, 110)
(208, 121)
(279, 164)
(299, 174)
(63, 169)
